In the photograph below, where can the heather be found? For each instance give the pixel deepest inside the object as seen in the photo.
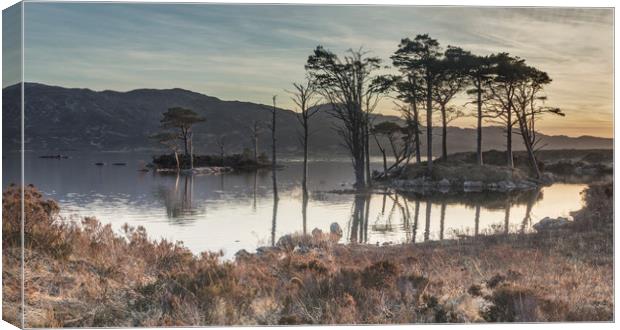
(80, 274)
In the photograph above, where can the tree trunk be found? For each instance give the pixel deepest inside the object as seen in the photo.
(176, 157)
(529, 148)
(304, 179)
(479, 128)
(427, 228)
(304, 210)
(509, 158)
(256, 149)
(429, 125)
(273, 149)
(185, 141)
(191, 152)
(444, 133)
(416, 132)
(367, 151)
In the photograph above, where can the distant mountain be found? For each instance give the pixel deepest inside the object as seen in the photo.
(68, 119)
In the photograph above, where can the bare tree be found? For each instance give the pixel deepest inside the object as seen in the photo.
(273, 149)
(255, 130)
(170, 140)
(393, 133)
(411, 94)
(305, 98)
(529, 106)
(348, 85)
(221, 144)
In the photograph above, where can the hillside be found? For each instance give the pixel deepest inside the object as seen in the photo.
(69, 119)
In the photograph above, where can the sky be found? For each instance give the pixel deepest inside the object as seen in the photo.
(251, 52)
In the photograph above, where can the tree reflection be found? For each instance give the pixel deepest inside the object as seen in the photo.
(178, 200)
(427, 229)
(359, 217)
(527, 219)
(477, 221)
(415, 220)
(275, 208)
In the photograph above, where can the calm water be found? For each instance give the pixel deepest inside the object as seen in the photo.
(236, 211)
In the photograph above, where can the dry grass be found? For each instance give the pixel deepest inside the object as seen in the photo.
(84, 274)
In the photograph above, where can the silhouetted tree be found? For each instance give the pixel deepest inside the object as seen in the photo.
(183, 119)
(255, 130)
(449, 82)
(352, 89)
(479, 72)
(392, 132)
(305, 98)
(273, 149)
(529, 106)
(421, 56)
(169, 140)
(221, 144)
(507, 74)
(409, 91)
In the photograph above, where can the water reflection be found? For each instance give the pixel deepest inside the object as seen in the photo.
(178, 199)
(359, 218)
(241, 210)
(394, 215)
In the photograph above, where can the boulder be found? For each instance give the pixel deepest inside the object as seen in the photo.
(301, 249)
(266, 249)
(317, 233)
(548, 223)
(335, 230)
(506, 185)
(444, 183)
(286, 242)
(472, 186)
(241, 254)
(547, 178)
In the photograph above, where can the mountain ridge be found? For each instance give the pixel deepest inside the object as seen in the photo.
(59, 118)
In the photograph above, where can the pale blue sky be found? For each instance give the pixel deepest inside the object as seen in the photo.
(249, 53)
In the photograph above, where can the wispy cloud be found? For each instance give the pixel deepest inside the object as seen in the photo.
(251, 52)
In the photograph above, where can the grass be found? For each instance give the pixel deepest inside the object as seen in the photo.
(458, 171)
(85, 274)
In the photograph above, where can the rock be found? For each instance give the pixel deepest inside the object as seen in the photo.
(525, 185)
(492, 186)
(317, 233)
(506, 185)
(444, 183)
(301, 249)
(286, 242)
(242, 254)
(335, 229)
(472, 185)
(265, 249)
(548, 223)
(547, 178)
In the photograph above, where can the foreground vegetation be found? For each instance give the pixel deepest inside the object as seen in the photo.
(85, 274)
